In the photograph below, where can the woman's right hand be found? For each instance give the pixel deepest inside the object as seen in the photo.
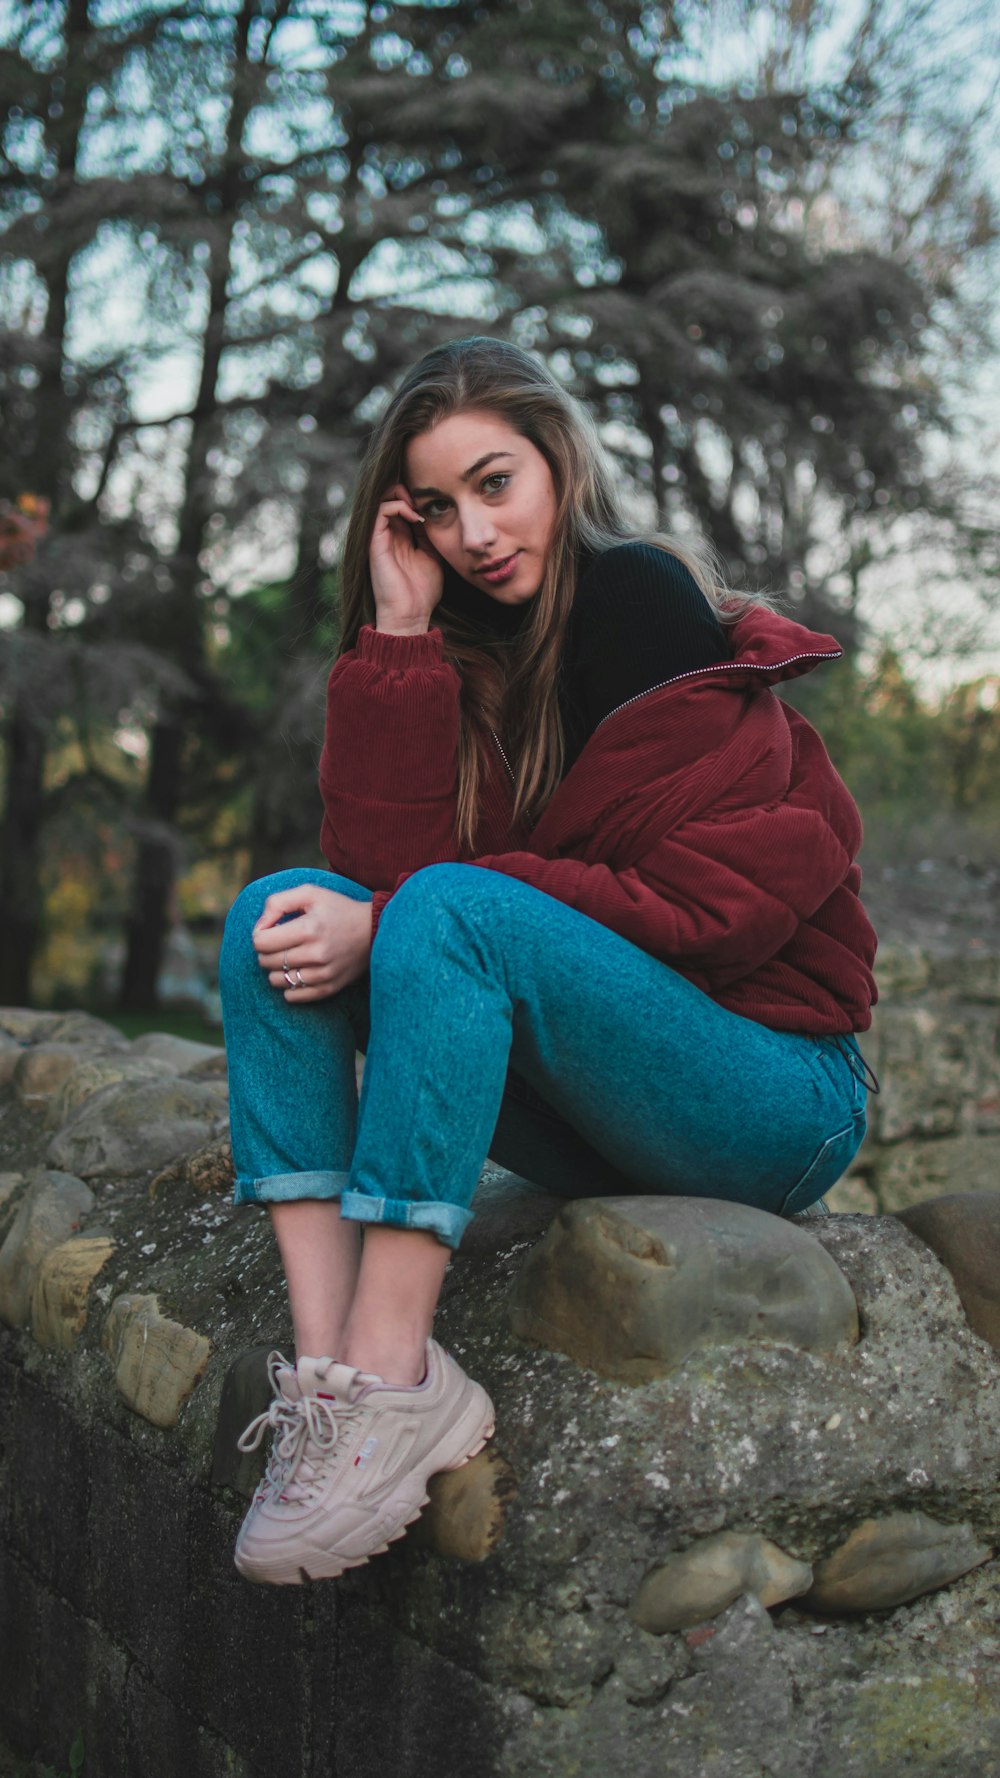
(407, 577)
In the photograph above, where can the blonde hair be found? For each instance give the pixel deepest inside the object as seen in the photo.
(508, 684)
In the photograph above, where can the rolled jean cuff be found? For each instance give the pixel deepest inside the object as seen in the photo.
(284, 1188)
(447, 1221)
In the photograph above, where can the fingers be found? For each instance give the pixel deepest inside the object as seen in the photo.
(273, 952)
(290, 977)
(299, 993)
(294, 981)
(398, 505)
(280, 940)
(329, 940)
(284, 902)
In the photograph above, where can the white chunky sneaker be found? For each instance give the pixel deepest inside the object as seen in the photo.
(351, 1458)
(283, 1417)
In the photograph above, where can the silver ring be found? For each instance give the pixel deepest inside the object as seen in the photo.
(293, 977)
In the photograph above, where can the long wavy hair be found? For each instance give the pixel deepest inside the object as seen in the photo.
(509, 686)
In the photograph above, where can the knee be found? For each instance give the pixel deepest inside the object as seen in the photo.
(237, 950)
(430, 903)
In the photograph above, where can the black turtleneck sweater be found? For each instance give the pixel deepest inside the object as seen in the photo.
(638, 619)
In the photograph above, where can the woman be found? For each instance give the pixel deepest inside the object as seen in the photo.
(593, 910)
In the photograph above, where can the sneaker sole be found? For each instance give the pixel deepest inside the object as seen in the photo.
(294, 1572)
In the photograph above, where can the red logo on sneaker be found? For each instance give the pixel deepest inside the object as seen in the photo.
(365, 1452)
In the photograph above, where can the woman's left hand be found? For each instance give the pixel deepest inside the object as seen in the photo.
(318, 935)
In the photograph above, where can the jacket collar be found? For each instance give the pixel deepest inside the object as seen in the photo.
(671, 727)
(775, 647)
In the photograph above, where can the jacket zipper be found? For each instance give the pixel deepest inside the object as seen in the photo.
(719, 667)
(818, 654)
(502, 754)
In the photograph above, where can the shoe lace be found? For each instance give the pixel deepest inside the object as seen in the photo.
(305, 1434)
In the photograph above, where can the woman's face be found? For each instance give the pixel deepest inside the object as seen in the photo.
(488, 501)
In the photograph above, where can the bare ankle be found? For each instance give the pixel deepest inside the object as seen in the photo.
(402, 1366)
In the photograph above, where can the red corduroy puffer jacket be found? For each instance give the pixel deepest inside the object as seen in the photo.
(703, 820)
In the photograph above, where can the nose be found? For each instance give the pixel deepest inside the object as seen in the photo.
(479, 532)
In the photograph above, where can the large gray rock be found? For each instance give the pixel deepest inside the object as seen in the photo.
(126, 1129)
(82, 1028)
(93, 1072)
(181, 1054)
(27, 1026)
(630, 1286)
(50, 1211)
(42, 1070)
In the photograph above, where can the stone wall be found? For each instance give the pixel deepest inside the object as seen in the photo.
(739, 1518)
(935, 1046)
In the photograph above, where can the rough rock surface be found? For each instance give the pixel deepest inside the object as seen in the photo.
(497, 1636)
(41, 1071)
(935, 1046)
(125, 1127)
(630, 1286)
(209, 1169)
(92, 1074)
(180, 1054)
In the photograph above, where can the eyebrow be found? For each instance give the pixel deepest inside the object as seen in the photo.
(467, 474)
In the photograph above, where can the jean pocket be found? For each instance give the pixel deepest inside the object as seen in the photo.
(831, 1160)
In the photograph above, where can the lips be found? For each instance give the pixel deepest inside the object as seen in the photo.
(501, 570)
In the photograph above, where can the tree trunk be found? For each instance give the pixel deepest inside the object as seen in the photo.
(155, 871)
(181, 635)
(20, 921)
(47, 473)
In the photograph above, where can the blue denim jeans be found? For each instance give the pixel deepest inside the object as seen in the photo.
(497, 1021)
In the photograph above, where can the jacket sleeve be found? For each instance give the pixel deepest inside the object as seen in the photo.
(388, 772)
